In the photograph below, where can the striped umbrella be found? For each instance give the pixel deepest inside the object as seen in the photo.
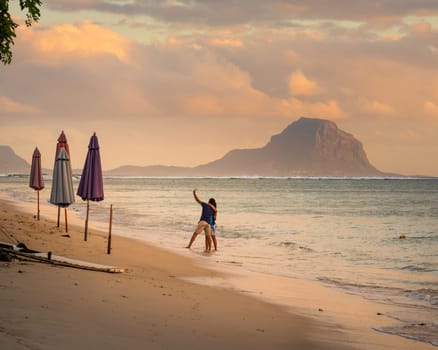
(62, 143)
(36, 180)
(62, 193)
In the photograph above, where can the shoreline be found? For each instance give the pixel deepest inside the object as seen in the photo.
(191, 304)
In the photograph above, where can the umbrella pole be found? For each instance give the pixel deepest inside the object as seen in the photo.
(59, 214)
(109, 231)
(86, 220)
(38, 205)
(66, 222)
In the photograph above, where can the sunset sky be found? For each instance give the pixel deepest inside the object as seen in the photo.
(182, 82)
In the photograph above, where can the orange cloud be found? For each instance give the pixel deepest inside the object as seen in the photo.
(383, 21)
(244, 102)
(329, 109)
(203, 104)
(377, 108)
(431, 108)
(421, 28)
(173, 4)
(218, 76)
(224, 90)
(289, 56)
(315, 36)
(391, 37)
(226, 43)
(83, 39)
(300, 85)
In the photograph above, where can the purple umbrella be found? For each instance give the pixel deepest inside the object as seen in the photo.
(36, 180)
(91, 183)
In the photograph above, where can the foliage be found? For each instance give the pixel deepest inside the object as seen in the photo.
(8, 25)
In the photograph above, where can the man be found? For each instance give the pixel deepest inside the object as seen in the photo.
(208, 212)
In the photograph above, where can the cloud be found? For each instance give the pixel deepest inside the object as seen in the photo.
(9, 106)
(229, 12)
(328, 109)
(210, 78)
(226, 43)
(421, 28)
(376, 108)
(111, 75)
(222, 89)
(79, 41)
(300, 85)
(431, 108)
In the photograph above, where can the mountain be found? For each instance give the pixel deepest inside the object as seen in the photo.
(307, 147)
(10, 163)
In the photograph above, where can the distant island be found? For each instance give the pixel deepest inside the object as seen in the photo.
(307, 147)
(10, 163)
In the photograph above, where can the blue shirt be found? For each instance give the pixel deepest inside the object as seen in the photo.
(207, 213)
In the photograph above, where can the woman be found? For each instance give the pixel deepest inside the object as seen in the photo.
(213, 205)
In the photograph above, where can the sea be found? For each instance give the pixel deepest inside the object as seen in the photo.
(374, 237)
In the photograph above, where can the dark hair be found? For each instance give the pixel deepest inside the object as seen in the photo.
(212, 201)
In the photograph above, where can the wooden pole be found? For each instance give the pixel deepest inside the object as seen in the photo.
(38, 205)
(59, 214)
(86, 220)
(110, 228)
(66, 222)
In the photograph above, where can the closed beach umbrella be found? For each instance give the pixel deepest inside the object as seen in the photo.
(62, 193)
(36, 180)
(62, 143)
(91, 183)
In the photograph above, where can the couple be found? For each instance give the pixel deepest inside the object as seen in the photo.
(206, 223)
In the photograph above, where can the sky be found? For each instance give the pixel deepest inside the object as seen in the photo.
(182, 82)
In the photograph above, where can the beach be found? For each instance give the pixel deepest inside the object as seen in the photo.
(163, 300)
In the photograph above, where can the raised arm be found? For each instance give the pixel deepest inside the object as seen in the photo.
(196, 197)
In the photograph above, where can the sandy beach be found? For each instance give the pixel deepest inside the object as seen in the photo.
(163, 300)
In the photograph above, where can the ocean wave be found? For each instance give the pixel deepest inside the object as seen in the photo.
(428, 295)
(417, 268)
(425, 332)
(287, 244)
(357, 286)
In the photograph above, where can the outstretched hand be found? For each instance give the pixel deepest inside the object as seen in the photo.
(196, 197)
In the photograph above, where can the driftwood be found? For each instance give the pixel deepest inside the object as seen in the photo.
(15, 251)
